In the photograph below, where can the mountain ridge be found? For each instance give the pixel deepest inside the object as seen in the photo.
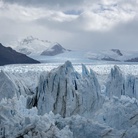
(114, 55)
(54, 50)
(35, 46)
(10, 56)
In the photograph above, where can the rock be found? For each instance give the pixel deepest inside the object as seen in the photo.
(10, 56)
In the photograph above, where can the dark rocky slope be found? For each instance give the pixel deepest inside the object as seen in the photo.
(10, 56)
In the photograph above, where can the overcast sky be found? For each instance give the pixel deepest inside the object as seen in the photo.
(76, 24)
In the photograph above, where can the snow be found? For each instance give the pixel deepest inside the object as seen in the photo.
(54, 50)
(30, 45)
(113, 54)
(69, 100)
(33, 46)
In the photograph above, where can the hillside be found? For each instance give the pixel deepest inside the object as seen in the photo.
(10, 56)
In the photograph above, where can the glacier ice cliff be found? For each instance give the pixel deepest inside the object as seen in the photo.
(116, 83)
(63, 103)
(120, 84)
(66, 92)
(7, 87)
(11, 86)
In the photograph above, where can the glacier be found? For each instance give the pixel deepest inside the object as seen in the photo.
(66, 103)
(120, 84)
(66, 92)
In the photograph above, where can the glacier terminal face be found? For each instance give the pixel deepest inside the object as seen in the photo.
(64, 91)
(67, 103)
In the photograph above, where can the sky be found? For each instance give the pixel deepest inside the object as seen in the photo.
(75, 24)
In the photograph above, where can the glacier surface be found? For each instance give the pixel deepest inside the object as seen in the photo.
(97, 101)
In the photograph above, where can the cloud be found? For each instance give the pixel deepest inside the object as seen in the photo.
(49, 4)
(87, 21)
(76, 24)
(75, 6)
(123, 36)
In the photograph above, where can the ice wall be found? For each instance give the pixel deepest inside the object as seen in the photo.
(119, 84)
(7, 87)
(66, 92)
(12, 86)
(115, 85)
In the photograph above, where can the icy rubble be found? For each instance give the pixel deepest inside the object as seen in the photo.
(116, 119)
(16, 121)
(67, 104)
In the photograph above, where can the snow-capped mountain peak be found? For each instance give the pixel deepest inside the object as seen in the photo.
(31, 39)
(55, 49)
(28, 40)
(30, 45)
(35, 46)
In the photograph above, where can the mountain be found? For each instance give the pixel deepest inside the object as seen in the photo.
(30, 45)
(37, 49)
(54, 50)
(114, 55)
(117, 51)
(10, 56)
(35, 46)
(135, 59)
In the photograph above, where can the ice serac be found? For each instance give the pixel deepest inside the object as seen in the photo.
(7, 87)
(11, 86)
(131, 86)
(64, 91)
(115, 85)
(119, 84)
